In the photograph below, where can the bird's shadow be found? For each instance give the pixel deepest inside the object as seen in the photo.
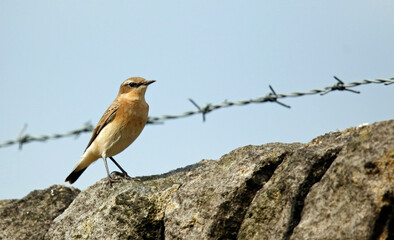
(188, 168)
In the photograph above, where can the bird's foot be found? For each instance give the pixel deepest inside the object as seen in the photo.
(111, 180)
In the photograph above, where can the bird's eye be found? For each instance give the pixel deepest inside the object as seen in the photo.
(133, 85)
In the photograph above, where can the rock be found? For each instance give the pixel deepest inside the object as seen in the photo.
(7, 201)
(338, 186)
(212, 201)
(127, 210)
(31, 216)
(355, 197)
(276, 207)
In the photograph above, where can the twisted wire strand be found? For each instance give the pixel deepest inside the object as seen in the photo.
(270, 97)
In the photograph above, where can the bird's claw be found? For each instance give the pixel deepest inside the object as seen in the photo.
(111, 180)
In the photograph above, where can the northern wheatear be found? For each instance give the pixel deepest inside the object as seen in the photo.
(118, 127)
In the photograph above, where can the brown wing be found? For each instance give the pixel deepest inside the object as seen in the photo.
(105, 119)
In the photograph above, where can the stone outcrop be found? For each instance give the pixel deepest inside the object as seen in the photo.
(338, 186)
(31, 216)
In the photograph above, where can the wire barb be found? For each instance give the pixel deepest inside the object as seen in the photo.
(22, 138)
(206, 109)
(271, 97)
(391, 82)
(339, 86)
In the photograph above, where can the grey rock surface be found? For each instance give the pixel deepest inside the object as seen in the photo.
(338, 186)
(355, 197)
(31, 216)
(212, 201)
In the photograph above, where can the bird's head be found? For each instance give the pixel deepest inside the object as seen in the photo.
(134, 87)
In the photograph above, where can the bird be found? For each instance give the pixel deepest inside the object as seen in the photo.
(119, 126)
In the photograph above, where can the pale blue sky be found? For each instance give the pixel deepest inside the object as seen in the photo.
(62, 62)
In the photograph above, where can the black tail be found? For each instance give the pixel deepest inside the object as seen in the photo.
(74, 175)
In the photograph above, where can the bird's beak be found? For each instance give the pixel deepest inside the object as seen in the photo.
(149, 82)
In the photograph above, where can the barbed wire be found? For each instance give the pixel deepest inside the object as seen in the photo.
(270, 97)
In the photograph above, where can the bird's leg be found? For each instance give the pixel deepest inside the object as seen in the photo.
(110, 179)
(121, 169)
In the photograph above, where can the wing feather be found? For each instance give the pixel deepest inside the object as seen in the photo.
(105, 119)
